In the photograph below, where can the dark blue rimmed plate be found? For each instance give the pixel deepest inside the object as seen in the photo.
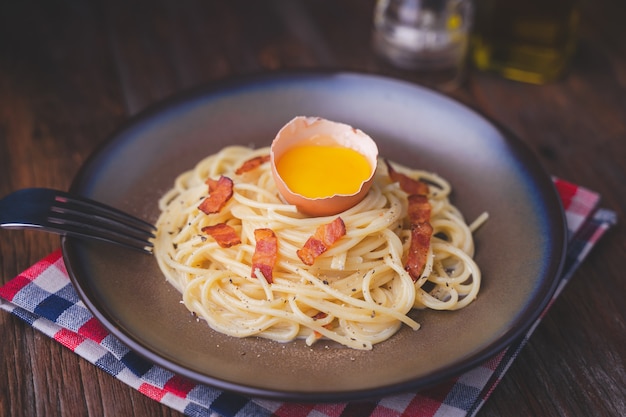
(520, 250)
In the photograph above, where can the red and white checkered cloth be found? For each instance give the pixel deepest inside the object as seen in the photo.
(44, 297)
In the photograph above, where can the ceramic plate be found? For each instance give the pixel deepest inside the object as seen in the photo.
(520, 249)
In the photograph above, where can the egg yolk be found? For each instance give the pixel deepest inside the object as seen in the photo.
(317, 171)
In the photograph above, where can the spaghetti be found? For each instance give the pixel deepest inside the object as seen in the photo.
(356, 293)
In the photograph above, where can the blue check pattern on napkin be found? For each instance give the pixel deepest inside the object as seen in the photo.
(44, 297)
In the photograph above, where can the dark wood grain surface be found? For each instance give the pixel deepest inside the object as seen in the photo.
(71, 71)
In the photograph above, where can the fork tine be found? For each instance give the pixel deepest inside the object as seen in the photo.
(81, 229)
(103, 210)
(93, 211)
(81, 215)
(63, 213)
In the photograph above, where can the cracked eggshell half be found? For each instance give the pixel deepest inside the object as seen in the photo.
(317, 131)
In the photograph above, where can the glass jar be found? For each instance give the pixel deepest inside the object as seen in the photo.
(423, 35)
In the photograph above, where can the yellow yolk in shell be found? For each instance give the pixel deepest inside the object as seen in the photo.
(317, 171)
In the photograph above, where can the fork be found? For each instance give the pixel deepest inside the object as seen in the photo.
(66, 214)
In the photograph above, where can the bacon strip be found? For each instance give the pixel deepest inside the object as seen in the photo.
(265, 253)
(224, 235)
(323, 238)
(419, 209)
(252, 163)
(418, 249)
(407, 184)
(419, 218)
(220, 191)
(320, 315)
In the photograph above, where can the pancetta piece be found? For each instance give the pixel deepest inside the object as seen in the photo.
(419, 210)
(323, 238)
(225, 235)
(220, 191)
(252, 163)
(265, 253)
(407, 184)
(421, 234)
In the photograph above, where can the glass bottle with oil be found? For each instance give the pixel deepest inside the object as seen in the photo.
(525, 40)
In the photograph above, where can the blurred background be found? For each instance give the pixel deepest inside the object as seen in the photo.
(73, 71)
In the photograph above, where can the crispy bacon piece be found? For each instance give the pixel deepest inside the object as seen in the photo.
(318, 316)
(252, 163)
(220, 191)
(421, 232)
(407, 184)
(224, 235)
(419, 209)
(418, 249)
(419, 218)
(323, 238)
(265, 253)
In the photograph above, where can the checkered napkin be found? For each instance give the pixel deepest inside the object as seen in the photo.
(44, 297)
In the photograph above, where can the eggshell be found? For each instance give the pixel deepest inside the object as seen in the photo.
(318, 131)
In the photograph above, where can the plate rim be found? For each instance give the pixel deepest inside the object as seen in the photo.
(550, 283)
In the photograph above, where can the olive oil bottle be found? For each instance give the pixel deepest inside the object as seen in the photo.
(525, 40)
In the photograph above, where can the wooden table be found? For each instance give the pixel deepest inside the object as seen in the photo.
(72, 71)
